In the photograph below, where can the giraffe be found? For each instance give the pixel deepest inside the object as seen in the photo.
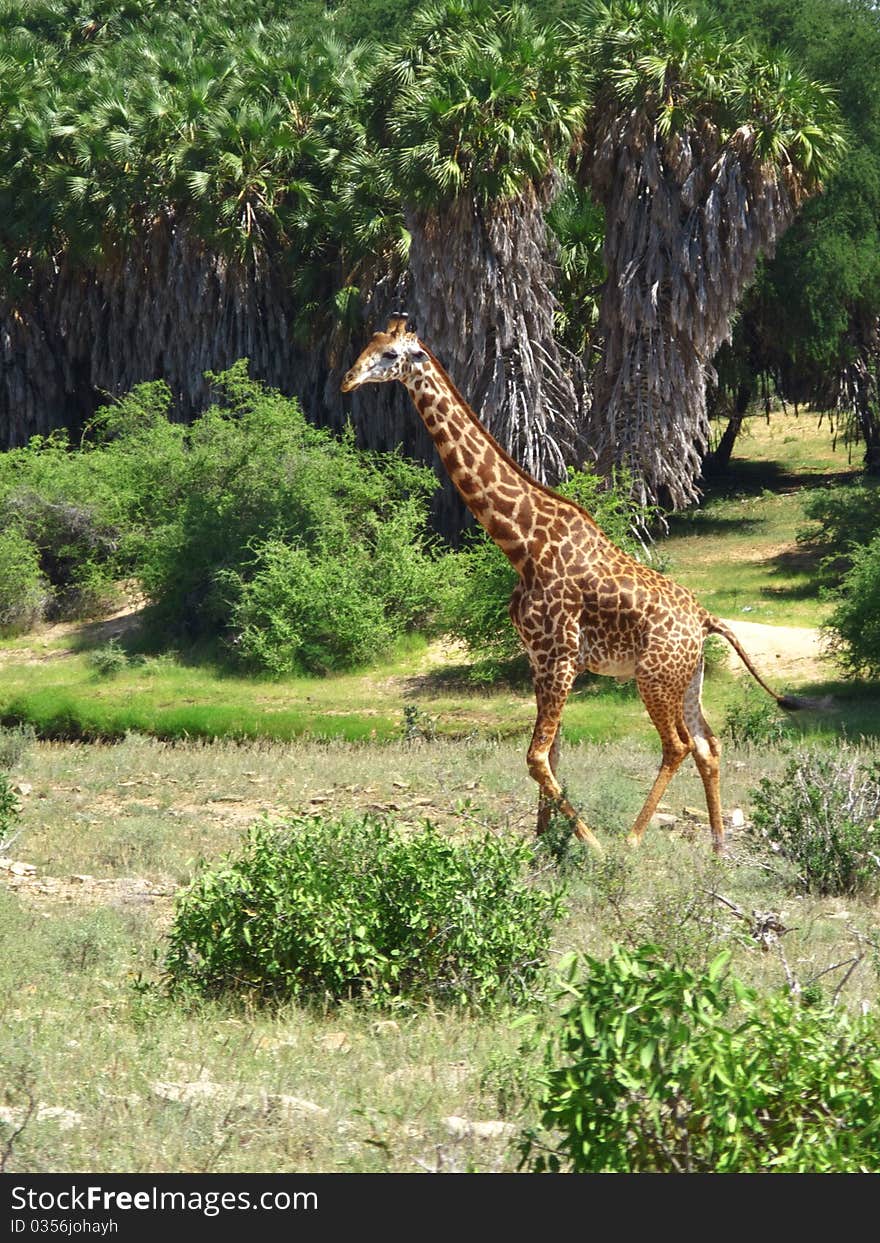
(581, 603)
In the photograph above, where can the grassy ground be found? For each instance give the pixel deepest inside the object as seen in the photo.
(738, 552)
(102, 1072)
(117, 1077)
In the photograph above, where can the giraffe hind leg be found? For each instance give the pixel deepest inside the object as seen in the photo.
(666, 712)
(707, 756)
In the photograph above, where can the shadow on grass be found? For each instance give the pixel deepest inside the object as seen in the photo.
(511, 677)
(853, 711)
(699, 522)
(751, 478)
(475, 678)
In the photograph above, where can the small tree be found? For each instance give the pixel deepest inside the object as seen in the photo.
(854, 625)
(655, 1069)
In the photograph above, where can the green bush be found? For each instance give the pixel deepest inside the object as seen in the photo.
(9, 808)
(845, 518)
(348, 908)
(271, 520)
(854, 625)
(248, 520)
(109, 659)
(479, 580)
(754, 720)
(23, 589)
(823, 815)
(307, 611)
(75, 542)
(656, 1069)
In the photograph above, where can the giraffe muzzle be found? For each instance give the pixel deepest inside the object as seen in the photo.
(349, 381)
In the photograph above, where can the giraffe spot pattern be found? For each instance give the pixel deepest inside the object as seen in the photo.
(580, 602)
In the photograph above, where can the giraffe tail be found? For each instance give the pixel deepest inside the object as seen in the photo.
(792, 703)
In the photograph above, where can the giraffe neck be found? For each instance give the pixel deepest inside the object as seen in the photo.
(502, 498)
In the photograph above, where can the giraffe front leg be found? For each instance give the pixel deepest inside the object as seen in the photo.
(546, 805)
(551, 690)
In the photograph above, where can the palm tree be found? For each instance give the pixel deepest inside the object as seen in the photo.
(701, 149)
(167, 197)
(476, 112)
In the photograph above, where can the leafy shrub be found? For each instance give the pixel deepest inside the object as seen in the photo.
(657, 1069)
(846, 518)
(274, 524)
(352, 909)
(307, 612)
(479, 580)
(854, 625)
(76, 547)
(823, 815)
(109, 659)
(201, 515)
(9, 808)
(754, 720)
(84, 508)
(23, 589)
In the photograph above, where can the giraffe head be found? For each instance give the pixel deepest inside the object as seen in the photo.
(393, 354)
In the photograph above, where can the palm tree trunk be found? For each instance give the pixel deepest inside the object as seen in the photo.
(859, 393)
(686, 221)
(481, 289)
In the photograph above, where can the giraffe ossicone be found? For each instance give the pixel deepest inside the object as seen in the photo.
(581, 603)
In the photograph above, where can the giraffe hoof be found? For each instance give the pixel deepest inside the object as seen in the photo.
(633, 841)
(583, 834)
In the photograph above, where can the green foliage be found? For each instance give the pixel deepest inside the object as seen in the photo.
(498, 99)
(854, 624)
(109, 659)
(299, 612)
(76, 508)
(753, 720)
(578, 225)
(809, 307)
(479, 580)
(10, 808)
(845, 518)
(336, 909)
(823, 816)
(849, 534)
(311, 554)
(657, 1069)
(23, 589)
(250, 525)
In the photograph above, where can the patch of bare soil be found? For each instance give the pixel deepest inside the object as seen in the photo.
(121, 621)
(787, 652)
(88, 891)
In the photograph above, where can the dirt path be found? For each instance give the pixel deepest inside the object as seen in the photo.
(787, 652)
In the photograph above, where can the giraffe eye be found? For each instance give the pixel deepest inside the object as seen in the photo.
(390, 355)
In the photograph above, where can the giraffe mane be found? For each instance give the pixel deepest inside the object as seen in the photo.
(502, 452)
